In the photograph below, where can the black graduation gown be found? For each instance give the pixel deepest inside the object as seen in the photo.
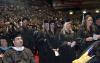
(47, 41)
(67, 53)
(54, 43)
(83, 33)
(29, 37)
(43, 48)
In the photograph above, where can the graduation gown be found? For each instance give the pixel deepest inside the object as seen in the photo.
(13, 56)
(45, 43)
(43, 48)
(2, 51)
(67, 52)
(29, 37)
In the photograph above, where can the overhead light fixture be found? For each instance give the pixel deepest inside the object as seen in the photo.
(97, 11)
(71, 12)
(84, 11)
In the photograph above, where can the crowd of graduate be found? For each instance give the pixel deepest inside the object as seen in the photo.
(52, 42)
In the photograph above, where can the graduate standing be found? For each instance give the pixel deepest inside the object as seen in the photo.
(68, 37)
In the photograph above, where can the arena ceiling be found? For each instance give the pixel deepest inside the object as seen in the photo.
(58, 4)
(83, 4)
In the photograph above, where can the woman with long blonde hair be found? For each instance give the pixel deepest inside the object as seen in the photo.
(68, 50)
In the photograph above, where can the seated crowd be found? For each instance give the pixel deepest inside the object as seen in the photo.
(52, 41)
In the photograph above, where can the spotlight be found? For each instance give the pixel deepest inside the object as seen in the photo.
(71, 12)
(84, 11)
(97, 11)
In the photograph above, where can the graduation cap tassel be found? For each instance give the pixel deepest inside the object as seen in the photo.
(43, 26)
(83, 19)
